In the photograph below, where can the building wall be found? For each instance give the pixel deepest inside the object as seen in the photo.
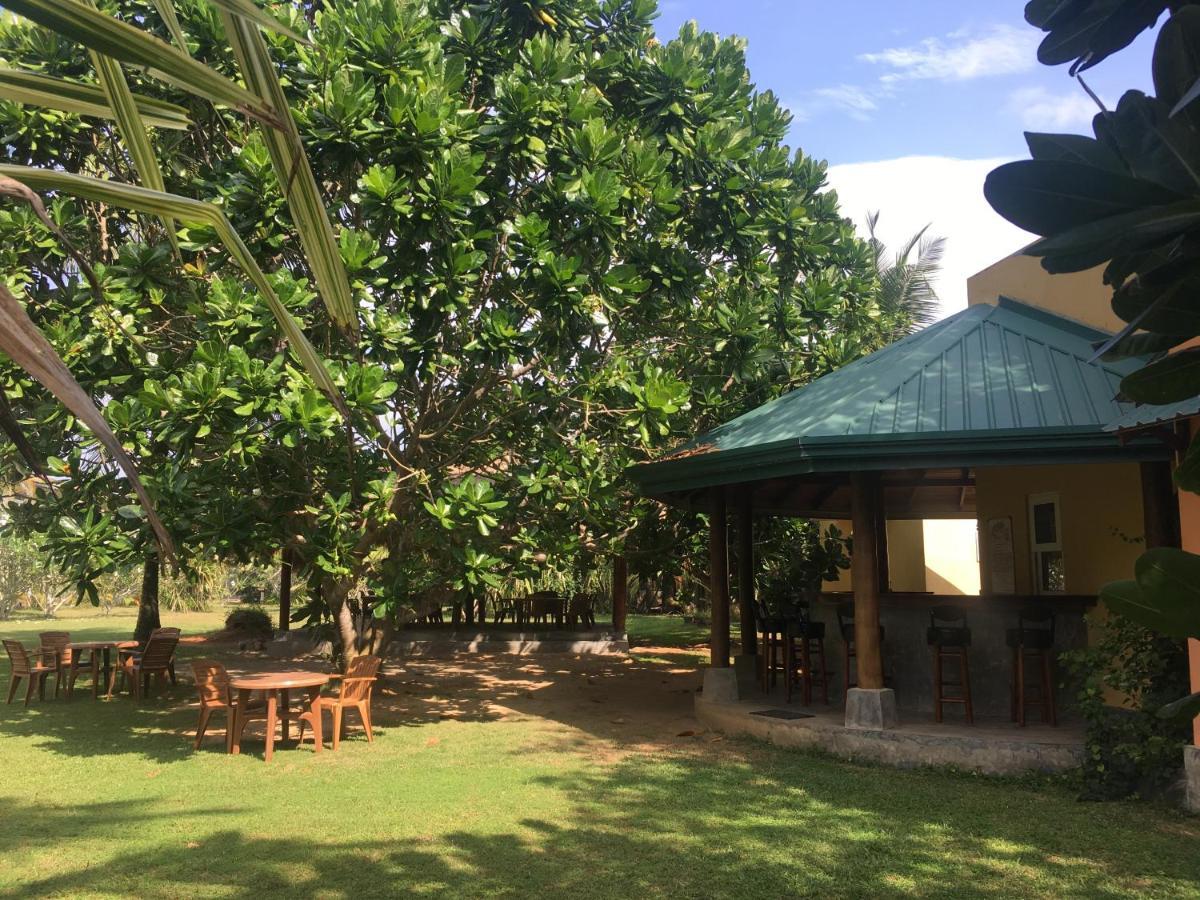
(1081, 296)
(937, 555)
(1101, 512)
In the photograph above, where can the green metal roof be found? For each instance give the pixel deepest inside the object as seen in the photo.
(1147, 415)
(992, 385)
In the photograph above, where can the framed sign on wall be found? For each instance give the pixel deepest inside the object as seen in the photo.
(1002, 569)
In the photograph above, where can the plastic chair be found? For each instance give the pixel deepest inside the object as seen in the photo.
(158, 658)
(24, 667)
(356, 692)
(212, 684)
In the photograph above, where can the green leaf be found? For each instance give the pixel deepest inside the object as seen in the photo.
(1088, 245)
(1185, 708)
(1166, 595)
(29, 349)
(82, 99)
(185, 209)
(293, 172)
(119, 40)
(1175, 377)
(1075, 148)
(1176, 62)
(166, 11)
(1142, 344)
(1048, 197)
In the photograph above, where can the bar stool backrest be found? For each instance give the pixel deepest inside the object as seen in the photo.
(845, 614)
(947, 617)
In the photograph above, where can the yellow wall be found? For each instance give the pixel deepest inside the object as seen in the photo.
(1101, 510)
(1082, 296)
(937, 555)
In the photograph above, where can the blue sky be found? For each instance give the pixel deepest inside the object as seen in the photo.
(913, 102)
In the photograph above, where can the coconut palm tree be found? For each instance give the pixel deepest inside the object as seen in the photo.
(907, 298)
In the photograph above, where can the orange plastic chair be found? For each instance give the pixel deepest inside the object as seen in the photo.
(67, 662)
(158, 658)
(356, 692)
(24, 667)
(212, 683)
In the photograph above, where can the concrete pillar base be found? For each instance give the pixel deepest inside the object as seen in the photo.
(720, 685)
(746, 667)
(1191, 778)
(872, 709)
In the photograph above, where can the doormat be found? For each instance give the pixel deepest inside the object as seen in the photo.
(781, 714)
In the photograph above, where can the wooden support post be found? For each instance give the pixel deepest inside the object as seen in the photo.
(718, 558)
(745, 573)
(865, 575)
(620, 592)
(285, 589)
(881, 538)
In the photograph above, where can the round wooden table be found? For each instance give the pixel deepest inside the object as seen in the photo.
(276, 686)
(110, 671)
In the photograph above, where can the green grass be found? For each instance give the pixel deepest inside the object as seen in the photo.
(664, 631)
(106, 799)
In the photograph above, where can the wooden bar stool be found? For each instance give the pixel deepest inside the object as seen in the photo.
(770, 631)
(845, 614)
(804, 655)
(1036, 642)
(950, 639)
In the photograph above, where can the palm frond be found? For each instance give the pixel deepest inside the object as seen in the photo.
(78, 98)
(111, 37)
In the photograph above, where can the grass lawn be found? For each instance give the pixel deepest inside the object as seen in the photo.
(664, 631)
(530, 777)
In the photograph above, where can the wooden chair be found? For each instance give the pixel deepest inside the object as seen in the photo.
(157, 658)
(582, 611)
(546, 607)
(356, 692)
(67, 662)
(212, 683)
(24, 667)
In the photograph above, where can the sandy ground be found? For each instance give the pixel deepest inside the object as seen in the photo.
(608, 704)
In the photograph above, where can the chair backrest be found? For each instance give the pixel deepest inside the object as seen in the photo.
(166, 632)
(18, 656)
(360, 676)
(1035, 618)
(947, 617)
(159, 650)
(212, 681)
(54, 646)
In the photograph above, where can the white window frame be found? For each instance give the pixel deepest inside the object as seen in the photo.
(1036, 549)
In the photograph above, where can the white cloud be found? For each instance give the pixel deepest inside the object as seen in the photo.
(1000, 50)
(1038, 109)
(855, 101)
(945, 192)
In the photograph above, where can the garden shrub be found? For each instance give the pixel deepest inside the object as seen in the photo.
(1130, 751)
(249, 621)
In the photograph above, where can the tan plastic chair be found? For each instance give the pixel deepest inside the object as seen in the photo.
(158, 658)
(356, 692)
(24, 667)
(67, 662)
(212, 683)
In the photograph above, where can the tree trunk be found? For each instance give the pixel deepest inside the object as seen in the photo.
(148, 618)
(285, 590)
(356, 635)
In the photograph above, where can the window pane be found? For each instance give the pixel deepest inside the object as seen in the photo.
(1051, 573)
(1044, 531)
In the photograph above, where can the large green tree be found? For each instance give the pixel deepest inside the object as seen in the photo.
(567, 245)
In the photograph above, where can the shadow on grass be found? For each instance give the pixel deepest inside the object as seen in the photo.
(688, 827)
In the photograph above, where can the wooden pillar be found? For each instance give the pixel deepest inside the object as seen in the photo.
(620, 592)
(745, 572)
(881, 538)
(718, 559)
(864, 572)
(285, 589)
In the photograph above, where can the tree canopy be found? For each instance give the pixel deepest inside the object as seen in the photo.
(567, 245)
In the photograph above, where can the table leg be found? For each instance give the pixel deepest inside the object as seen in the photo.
(110, 671)
(95, 674)
(285, 714)
(239, 721)
(272, 703)
(318, 727)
